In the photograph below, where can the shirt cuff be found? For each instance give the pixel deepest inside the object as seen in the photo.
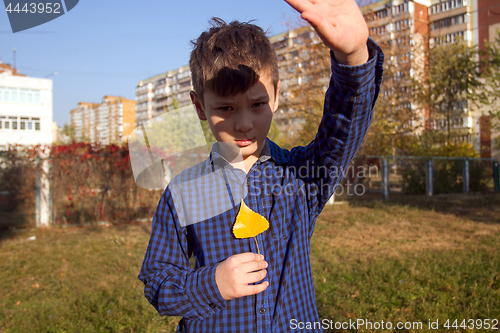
(203, 292)
(357, 78)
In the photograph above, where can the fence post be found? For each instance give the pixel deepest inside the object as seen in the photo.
(496, 176)
(37, 193)
(385, 177)
(428, 177)
(466, 176)
(42, 192)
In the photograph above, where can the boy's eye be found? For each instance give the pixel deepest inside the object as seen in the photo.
(258, 105)
(225, 108)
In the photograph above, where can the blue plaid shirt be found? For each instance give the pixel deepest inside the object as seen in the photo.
(197, 211)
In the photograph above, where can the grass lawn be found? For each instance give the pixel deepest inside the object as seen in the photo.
(410, 259)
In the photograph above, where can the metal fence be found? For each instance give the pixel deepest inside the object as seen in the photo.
(72, 189)
(386, 175)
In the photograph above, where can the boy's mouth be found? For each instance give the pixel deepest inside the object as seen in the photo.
(244, 143)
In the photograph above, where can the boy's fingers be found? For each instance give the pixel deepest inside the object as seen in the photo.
(252, 266)
(299, 5)
(255, 289)
(255, 276)
(248, 257)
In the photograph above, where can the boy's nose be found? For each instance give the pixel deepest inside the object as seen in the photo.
(243, 122)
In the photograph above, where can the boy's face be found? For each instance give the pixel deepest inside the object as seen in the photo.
(243, 119)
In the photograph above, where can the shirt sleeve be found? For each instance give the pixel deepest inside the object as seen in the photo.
(171, 286)
(347, 114)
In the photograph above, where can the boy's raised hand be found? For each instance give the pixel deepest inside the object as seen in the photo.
(235, 275)
(340, 25)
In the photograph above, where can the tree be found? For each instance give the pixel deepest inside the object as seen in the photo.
(448, 86)
(395, 116)
(304, 73)
(68, 134)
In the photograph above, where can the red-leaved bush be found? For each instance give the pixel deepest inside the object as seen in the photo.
(89, 183)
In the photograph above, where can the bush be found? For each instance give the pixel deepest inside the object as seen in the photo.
(447, 176)
(18, 170)
(414, 180)
(89, 183)
(93, 183)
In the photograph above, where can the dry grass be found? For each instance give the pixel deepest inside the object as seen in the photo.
(408, 259)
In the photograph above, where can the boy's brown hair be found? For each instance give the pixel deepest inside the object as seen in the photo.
(229, 58)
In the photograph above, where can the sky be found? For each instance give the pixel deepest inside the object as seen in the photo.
(104, 47)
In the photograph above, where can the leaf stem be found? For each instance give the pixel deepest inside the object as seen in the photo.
(255, 239)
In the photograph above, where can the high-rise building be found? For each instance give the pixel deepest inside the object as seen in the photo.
(298, 64)
(25, 109)
(487, 28)
(427, 23)
(405, 28)
(162, 92)
(109, 122)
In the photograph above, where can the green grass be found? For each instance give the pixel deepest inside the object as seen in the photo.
(409, 259)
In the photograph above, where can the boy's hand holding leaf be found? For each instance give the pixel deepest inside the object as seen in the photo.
(235, 275)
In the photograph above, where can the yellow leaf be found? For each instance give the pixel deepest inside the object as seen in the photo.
(249, 223)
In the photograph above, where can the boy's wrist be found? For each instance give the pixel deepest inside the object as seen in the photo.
(356, 58)
(353, 78)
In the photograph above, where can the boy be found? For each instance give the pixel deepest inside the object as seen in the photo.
(236, 89)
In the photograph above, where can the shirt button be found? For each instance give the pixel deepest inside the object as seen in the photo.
(262, 310)
(213, 306)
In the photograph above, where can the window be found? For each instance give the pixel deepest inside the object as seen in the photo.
(381, 13)
(37, 126)
(1, 124)
(13, 93)
(30, 125)
(447, 5)
(448, 22)
(399, 9)
(22, 125)
(14, 125)
(6, 125)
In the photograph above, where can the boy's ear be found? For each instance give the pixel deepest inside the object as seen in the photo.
(198, 105)
(276, 97)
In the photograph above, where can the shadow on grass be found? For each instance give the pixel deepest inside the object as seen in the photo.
(478, 207)
(124, 227)
(12, 221)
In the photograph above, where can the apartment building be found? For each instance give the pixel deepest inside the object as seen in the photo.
(108, 122)
(26, 110)
(427, 23)
(486, 29)
(476, 22)
(302, 59)
(162, 92)
(404, 28)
